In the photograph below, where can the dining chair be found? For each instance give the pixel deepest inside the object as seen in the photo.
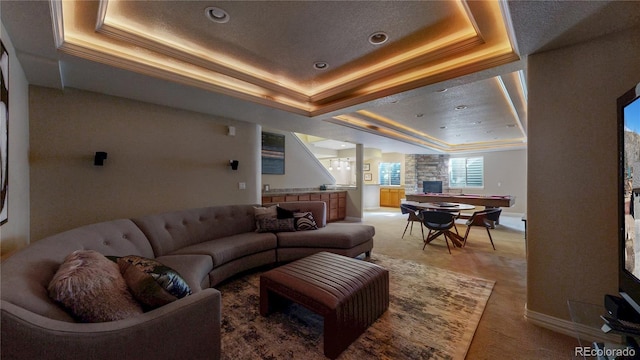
(439, 223)
(486, 218)
(414, 216)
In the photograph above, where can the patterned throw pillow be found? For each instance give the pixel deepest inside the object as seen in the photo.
(152, 283)
(275, 225)
(305, 221)
(91, 287)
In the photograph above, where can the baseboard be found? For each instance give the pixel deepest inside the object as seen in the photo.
(567, 327)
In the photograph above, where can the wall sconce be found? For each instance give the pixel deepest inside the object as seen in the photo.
(234, 164)
(99, 158)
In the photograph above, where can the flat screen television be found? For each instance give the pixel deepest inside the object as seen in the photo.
(430, 186)
(629, 196)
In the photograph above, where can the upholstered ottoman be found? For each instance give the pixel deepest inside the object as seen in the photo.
(350, 294)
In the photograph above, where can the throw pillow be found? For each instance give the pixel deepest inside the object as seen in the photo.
(275, 225)
(152, 283)
(92, 289)
(265, 212)
(284, 213)
(305, 221)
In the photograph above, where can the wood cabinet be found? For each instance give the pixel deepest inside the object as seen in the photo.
(336, 201)
(391, 197)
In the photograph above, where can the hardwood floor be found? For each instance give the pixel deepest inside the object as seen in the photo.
(503, 333)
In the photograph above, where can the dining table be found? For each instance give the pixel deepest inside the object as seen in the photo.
(451, 207)
(445, 206)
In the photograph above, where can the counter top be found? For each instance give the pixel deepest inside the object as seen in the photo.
(293, 192)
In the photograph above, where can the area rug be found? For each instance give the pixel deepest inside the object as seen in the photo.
(433, 314)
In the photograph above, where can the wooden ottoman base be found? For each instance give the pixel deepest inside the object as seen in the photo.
(350, 294)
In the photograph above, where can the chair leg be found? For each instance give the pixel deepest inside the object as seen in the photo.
(490, 238)
(446, 240)
(466, 234)
(411, 229)
(422, 230)
(405, 230)
(424, 239)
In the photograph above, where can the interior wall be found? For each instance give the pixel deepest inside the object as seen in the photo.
(301, 168)
(14, 234)
(159, 159)
(505, 173)
(572, 170)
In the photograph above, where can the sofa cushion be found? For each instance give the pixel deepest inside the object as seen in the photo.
(230, 248)
(194, 269)
(152, 283)
(334, 235)
(90, 286)
(275, 225)
(304, 221)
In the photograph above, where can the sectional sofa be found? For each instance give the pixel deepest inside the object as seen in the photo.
(205, 246)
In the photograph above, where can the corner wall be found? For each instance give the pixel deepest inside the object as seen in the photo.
(14, 234)
(572, 166)
(159, 159)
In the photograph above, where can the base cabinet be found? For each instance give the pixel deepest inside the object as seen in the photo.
(391, 197)
(336, 201)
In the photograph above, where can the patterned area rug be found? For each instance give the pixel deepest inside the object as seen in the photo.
(433, 314)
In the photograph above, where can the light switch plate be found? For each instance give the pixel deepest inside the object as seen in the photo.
(242, 185)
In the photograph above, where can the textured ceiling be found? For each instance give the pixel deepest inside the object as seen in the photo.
(258, 66)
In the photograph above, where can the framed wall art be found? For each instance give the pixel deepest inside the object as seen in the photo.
(4, 134)
(366, 167)
(368, 177)
(272, 153)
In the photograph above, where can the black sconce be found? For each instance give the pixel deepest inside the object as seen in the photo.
(98, 160)
(234, 164)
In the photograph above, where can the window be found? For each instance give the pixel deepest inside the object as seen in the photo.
(466, 172)
(389, 173)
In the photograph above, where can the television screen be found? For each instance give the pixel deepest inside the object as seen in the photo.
(432, 187)
(629, 198)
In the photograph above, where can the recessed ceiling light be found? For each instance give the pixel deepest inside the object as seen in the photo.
(378, 38)
(442, 90)
(511, 126)
(216, 14)
(419, 115)
(461, 107)
(443, 127)
(320, 65)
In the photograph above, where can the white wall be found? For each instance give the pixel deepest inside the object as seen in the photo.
(572, 167)
(301, 168)
(159, 159)
(14, 234)
(505, 173)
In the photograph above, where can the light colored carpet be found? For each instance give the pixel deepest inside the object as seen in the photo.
(433, 314)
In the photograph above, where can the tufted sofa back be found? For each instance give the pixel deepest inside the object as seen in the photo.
(174, 230)
(27, 273)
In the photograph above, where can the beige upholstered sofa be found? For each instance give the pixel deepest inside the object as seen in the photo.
(206, 246)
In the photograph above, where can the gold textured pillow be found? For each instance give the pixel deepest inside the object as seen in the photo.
(92, 289)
